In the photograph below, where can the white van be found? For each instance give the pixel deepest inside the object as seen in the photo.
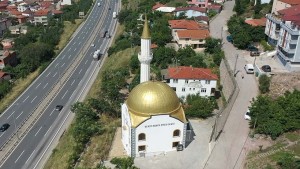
(249, 68)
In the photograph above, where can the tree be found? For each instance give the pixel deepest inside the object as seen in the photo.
(264, 83)
(134, 63)
(123, 163)
(163, 56)
(212, 45)
(201, 107)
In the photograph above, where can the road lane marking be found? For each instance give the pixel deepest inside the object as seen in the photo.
(2, 134)
(63, 57)
(56, 65)
(72, 82)
(38, 131)
(69, 56)
(10, 115)
(51, 112)
(25, 99)
(74, 43)
(33, 99)
(19, 156)
(80, 71)
(38, 85)
(75, 49)
(83, 37)
(54, 74)
(79, 43)
(64, 94)
(86, 62)
(29, 156)
(19, 115)
(48, 74)
(47, 131)
(45, 86)
(69, 49)
(62, 64)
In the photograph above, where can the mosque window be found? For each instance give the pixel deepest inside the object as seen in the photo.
(142, 137)
(176, 133)
(142, 148)
(175, 144)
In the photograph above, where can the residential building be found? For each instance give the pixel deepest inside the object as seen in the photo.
(283, 31)
(187, 80)
(41, 16)
(7, 43)
(190, 12)
(22, 7)
(256, 22)
(199, 3)
(22, 19)
(18, 29)
(4, 76)
(162, 8)
(283, 4)
(193, 38)
(7, 58)
(4, 24)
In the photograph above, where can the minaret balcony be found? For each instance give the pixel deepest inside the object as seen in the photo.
(145, 59)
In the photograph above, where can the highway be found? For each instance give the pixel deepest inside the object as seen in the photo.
(36, 143)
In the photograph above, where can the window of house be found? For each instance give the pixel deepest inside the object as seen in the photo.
(175, 144)
(142, 148)
(186, 81)
(186, 39)
(190, 89)
(175, 80)
(193, 88)
(174, 88)
(183, 89)
(207, 81)
(142, 137)
(176, 133)
(203, 90)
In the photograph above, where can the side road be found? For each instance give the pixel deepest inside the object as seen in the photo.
(229, 151)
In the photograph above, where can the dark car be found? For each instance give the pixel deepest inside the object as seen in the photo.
(58, 107)
(252, 48)
(229, 38)
(254, 53)
(266, 68)
(4, 127)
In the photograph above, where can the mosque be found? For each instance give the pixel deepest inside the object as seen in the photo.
(153, 119)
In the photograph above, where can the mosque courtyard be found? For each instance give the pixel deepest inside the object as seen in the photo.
(194, 156)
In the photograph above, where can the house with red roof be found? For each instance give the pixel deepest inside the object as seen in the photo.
(283, 31)
(203, 3)
(4, 24)
(4, 76)
(41, 16)
(190, 12)
(7, 58)
(283, 4)
(157, 5)
(188, 80)
(7, 43)
(193, 38)
(256, 22)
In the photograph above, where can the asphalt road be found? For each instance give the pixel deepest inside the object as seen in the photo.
(33, 146)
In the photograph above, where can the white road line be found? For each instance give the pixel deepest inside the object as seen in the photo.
(83, 37)
(72, 82)
(48, 74)
(79, 43)
(25, 99)
(75, 49)
(86, 62)
(51, 112)
(74, 43)
(54, 74)
(69, 56)
(63, 57)
(33, 99)
(62, 64)
(19, 115)
(29, 156)
(10, 115)
(69, 49)
(56, 65)
(38, 131)
(38, 85)
(64, 95)
(19, 156)
(2, 134)
(47, 131)
(45, 86)
(80, 71)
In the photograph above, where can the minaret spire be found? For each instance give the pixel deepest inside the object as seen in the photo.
(145, 56)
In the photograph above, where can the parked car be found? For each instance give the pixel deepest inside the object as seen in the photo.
(252, 48)
(254, 53)
(247, 115)
(249, 68)
(229, 38)
(59, 107)
(266, 68)
(4, 127)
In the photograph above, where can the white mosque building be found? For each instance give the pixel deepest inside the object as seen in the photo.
(153, 119)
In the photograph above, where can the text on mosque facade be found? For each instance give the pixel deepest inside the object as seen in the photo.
(158, 125)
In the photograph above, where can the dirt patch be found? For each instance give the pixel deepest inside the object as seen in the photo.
(280, 83)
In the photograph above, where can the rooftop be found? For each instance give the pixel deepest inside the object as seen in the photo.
(256, 22)
(188, 72)
(194, 8)
(184, 24)
(291, 2)
(157, 5)
(193, 34)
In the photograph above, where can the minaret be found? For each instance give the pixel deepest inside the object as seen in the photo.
(145, 56)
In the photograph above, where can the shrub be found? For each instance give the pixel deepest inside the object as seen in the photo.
(264, 83)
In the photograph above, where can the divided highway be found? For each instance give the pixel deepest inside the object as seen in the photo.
(32, 147)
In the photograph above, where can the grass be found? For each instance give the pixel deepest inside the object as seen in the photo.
(19, 86)
(292, 136)
(295, 149)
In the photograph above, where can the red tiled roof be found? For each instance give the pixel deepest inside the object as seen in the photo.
(195, 8)
(14, 12)
(202, 18)
(256, 22)
(7, 47)
(45, 4)
(294, 10)
(153, 46)
(41, 12)
(184, 24)
(193, 34)
(291, 2)
(187, 72)
(56, 12)
(215, 6)
(294, 18)
(11, 7)
(157, 5)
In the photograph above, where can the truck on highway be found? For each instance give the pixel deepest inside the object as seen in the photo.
(114, 15)
(97, 55)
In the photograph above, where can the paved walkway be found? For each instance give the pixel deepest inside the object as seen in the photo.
(228, 152)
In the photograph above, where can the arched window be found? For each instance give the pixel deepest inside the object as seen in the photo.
(176, 133)
(142, 137)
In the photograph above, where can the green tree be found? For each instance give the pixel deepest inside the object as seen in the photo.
(123, 163)
(134, 63)
(212, 45)
(201, 107)
(163, 56)
(5, 87)
(264, 83)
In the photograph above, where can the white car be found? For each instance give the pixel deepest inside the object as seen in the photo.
(247, 115)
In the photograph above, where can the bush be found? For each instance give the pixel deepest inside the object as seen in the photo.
(266, 46)
(200, 107)
(264, 83)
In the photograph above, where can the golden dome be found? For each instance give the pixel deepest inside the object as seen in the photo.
(153, 98)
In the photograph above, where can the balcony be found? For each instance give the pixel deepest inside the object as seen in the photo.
(273, 18)
(282, 55)
(294, 42)
(289, 29)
